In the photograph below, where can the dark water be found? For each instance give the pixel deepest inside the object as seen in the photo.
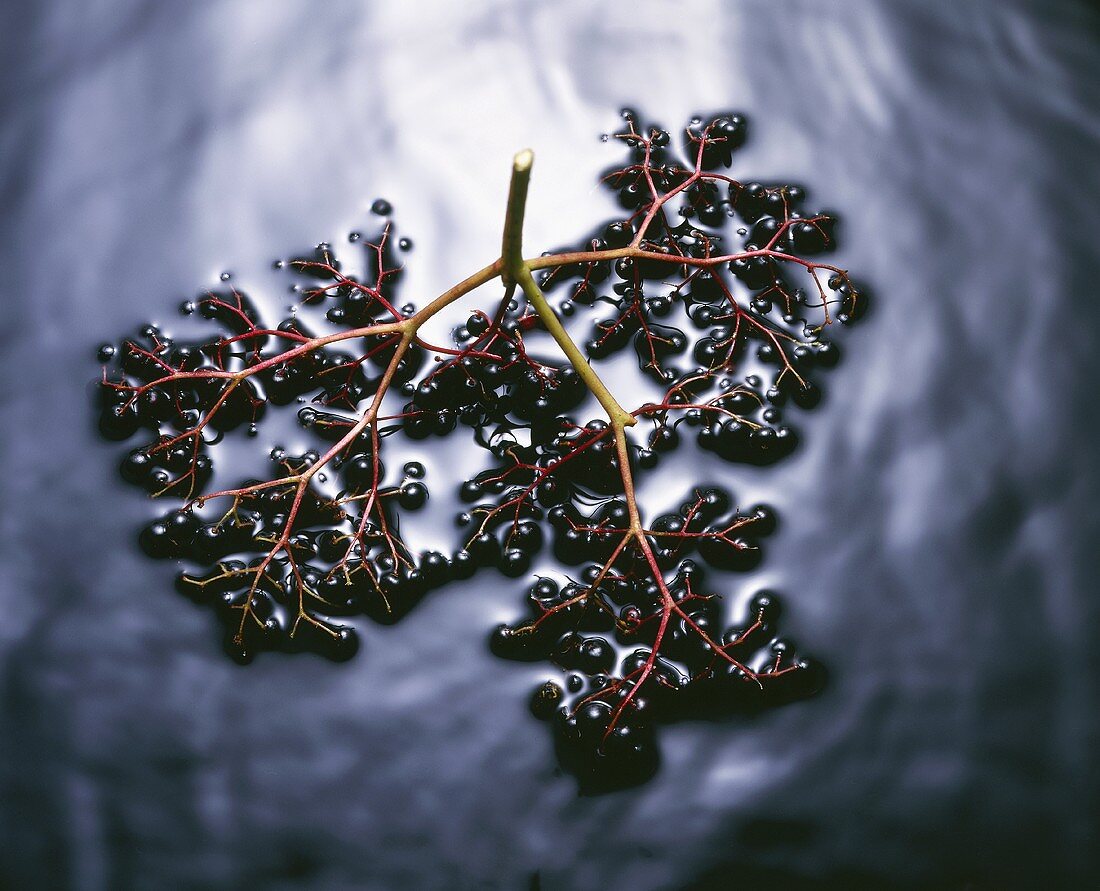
(940, 524)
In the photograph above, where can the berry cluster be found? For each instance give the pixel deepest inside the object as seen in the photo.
(727, 338)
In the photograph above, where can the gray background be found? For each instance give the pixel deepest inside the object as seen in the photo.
(939, 526)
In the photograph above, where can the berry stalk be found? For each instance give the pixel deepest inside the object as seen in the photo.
(326, 525)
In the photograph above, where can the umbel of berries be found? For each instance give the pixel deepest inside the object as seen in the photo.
(719, 288)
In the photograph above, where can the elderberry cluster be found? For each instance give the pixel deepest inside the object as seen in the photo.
(716, 289)
(603, 721)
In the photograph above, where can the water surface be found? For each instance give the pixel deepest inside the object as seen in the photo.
(939, 524)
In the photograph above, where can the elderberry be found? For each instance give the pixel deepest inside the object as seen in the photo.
(698, 292)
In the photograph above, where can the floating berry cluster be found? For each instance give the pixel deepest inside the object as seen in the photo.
(727, 338)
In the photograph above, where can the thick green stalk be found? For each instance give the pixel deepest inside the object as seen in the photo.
(516, 270)
(511, 249)
(618, 415)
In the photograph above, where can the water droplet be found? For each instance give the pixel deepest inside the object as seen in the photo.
(278, 264)
(354, 236)
(253, 430)
(406, 244)
(604, 137)
(225, 276)
(187, 308)
(106, 352)
(381, 207)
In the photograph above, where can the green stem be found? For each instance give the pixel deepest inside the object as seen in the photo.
(515, 269)
(619, 416)
(511, 249)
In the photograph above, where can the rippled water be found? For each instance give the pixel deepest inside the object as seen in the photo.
(938, 544)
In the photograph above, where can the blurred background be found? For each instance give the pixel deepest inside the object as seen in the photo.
(939, 523)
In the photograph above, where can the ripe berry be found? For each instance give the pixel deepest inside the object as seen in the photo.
(413, 495)
(325, 535)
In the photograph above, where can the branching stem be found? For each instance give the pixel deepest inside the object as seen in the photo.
(518, 270)
(641, 557)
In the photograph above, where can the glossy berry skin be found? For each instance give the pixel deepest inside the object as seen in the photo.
(697, 330)
(413, 496)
